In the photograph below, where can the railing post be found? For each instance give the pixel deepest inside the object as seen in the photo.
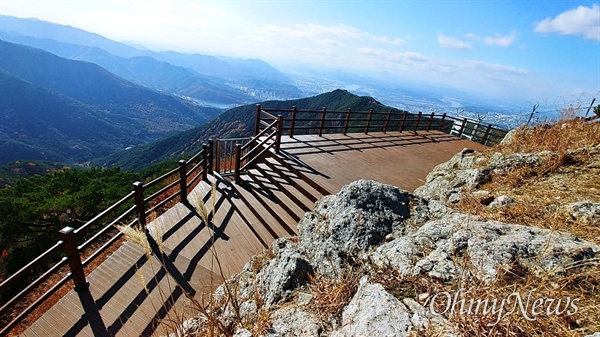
(418, 121)
(293, 121)
(369, 121)
(403, 120)
(322, 121)
(205, 161)
(257, 119)
(218, 156)
(387, 121)
(237, 163)
(140, 205)
(347, 122)
(430, 121)
(442, 122)
(278, 134)
(211, 155)
(183, 181)
(487, 134)
(462, 127)
(70, 243)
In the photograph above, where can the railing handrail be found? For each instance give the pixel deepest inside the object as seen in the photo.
(432, 121)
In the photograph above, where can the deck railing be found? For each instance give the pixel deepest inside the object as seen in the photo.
(133, 209)
(296, 121)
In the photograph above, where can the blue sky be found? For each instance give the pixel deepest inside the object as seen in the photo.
(522, 49)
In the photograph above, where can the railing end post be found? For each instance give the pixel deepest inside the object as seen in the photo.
(237, 163)
(183, 181)
(70, 245)
(138, 189)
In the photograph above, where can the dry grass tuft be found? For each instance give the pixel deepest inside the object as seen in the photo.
(560, 136)
(331, 295)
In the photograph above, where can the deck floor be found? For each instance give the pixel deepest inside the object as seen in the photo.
(401, 159)
(129, 292)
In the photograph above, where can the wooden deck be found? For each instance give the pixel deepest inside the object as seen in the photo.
(401, 159)
(130, 293)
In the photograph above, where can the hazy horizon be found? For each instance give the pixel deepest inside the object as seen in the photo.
(520, 50)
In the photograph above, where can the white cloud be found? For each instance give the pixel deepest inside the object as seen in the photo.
(314, 31)
(583, 21)
(452, 43)
(501, 41)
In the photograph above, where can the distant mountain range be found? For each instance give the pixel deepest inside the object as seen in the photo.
(236, 122)
(73, 96)
(209, 79)
(71, 111)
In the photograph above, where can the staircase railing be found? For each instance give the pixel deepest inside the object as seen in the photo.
(133, 209)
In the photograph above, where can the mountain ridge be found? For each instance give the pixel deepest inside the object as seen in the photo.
(234, 123)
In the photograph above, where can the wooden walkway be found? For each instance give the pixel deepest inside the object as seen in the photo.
(131, 294)
(400, 159)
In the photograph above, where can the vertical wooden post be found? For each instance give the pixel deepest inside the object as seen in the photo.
(183, 181)
(204, 161)
(322, 123)
(430, 121)
(347, 122)
(403, 120)
(293, 121)
(140, 205)
(218, 155)
(487, 134)
(442, 122)
(387, 121)
(369, 121)
(418, 121)
(211, 155)
(278, 134)
(237, 162)
(462, 127)
(70, 244)
(257, 119)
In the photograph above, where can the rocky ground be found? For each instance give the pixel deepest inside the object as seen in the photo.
(374, 260)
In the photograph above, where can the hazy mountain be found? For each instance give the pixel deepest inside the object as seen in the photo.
(143, 70)
(64, 110)
(226, 80)
(236, 122)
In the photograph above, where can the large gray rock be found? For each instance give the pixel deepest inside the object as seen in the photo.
(346, 225)
(447, 180)
(439, 247)
(374, 312)
(292, 321)
(288, 270)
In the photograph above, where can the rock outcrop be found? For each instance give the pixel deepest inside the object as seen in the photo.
(369, 226)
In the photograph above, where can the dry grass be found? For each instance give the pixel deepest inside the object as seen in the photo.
(331, 295)
(560, 136)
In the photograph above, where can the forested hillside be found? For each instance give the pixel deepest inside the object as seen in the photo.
(64, 110)
(33, 210)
